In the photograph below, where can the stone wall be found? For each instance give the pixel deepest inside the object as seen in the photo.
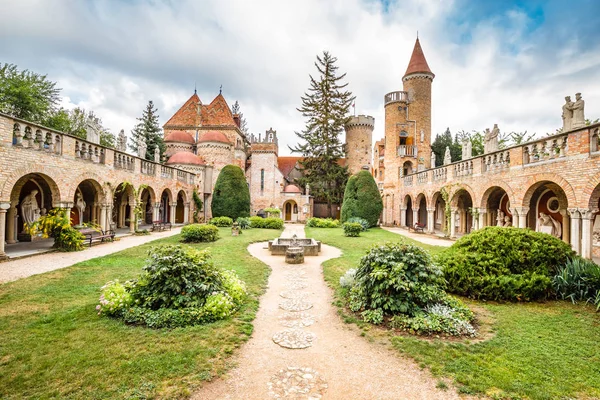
(359, 136)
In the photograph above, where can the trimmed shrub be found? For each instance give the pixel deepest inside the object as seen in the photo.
(243, 222)
(323, 223)
(266, 223)
(352, 229)
(578, 280)
(231, 196)
(401, 281)
(499, 263)
(363, 222)
(196, 233)
(223, 222)
(273, 212)
(362, 199)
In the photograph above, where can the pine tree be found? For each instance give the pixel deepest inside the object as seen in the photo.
(148, 130)
(439, 146)
(326, 106)
(235, 109)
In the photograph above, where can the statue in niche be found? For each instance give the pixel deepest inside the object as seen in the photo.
(547, 224)
(432, 159)
(577, 108)
(507, 221)
(447, 156)
(467, 149)
(29, 208)
(567, 114)
(500, 218)
(142, 147)
(596, 230)
(80, 205)
(491, 139)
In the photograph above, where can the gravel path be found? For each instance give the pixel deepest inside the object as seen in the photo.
(24, 267)
(421, 237)
(300, 349)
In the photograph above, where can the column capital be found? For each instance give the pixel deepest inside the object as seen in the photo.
(430, 209)
(4, 206)
(587, 213)
(172, 204)
(482, 210)
(403, 208)
(574, 213)
(519, 210)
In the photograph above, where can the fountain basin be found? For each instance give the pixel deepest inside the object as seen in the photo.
(279, 246)
(294, 255)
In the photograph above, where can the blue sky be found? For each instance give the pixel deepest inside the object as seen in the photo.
(501, 61)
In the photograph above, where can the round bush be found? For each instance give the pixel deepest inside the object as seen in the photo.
(499, 263)
(322, 223)
(223, 222)
(363, 222)
(266, 223)
(196, 233)
(231, 196)
(352, 229)
(362, 199)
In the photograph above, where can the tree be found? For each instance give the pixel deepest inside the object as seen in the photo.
(231, 196)
(149, 131)
(235, 109)
(107, 138)
(326, 107)
(362, 199)
(439, 147)
(516, 138)
(26, 94)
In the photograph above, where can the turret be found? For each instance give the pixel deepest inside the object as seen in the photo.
(359, 137)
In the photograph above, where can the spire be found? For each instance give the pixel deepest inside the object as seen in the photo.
(418, 63)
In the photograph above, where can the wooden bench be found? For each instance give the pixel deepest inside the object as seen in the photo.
(159, 226)
(419, 227)
(93, 235)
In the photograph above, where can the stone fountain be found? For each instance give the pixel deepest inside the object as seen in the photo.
(294, 249)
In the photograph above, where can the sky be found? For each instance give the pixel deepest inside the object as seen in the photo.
(509, 62)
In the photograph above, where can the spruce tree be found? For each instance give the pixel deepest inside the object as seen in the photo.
(148, 130)
(326, 107)
(235, 109)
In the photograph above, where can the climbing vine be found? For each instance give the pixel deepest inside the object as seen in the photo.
(198, 204)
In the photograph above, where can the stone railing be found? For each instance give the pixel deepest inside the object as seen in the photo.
(439, 174)
(408, 180)
(547, 149)
(407, 151)
(124, 161)
(393, 97)
(147, 168)
(36, 138)
(422, 177)
(89, 151)
(497, 161)
(166, 172)
(463, 168)
(183, 176)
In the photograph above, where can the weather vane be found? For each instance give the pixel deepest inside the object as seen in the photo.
(221, 89)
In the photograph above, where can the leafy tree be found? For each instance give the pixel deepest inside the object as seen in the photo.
(516, 138)
(235, 109)
(439, 147)
(231, 197)
(149, 131)
(107, 139)
(326, 108)
(26, 94)
(362, 199)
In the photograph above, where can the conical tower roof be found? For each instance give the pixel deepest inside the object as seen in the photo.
(418, 63)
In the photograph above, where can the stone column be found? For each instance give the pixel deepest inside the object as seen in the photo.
(11, 225)
(132, 216)
(587, 220)
(566, 226)
(172, 213)
(103, 217)
(453, 213)
(430, 220)
(415, 216)
(482, 218)
(402, 216)
(93, 213)
(520, 216)
(575, 229)
(186, 213)
(3, 208)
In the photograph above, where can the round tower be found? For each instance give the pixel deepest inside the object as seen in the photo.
(359, 136)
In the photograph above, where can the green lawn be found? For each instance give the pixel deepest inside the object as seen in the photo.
(537, 350)
(53, 345)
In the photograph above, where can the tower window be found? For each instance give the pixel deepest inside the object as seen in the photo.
(262, 180)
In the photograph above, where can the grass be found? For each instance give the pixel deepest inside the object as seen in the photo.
(538, 351)
(55, 346)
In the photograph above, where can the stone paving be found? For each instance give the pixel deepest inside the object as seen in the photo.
(421, 237)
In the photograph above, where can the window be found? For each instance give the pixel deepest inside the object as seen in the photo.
(262, 180)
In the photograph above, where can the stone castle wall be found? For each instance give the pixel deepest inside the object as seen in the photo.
(359, 137)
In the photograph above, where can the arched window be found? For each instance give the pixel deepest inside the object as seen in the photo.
(262, 180)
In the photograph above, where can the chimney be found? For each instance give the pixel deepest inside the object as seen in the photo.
(236, 119)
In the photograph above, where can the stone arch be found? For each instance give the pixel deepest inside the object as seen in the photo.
(147, 198)
(420, 197)
(497, 184)
(91, 176)
(92, 195)
(180, 206)
(498, 204)
(165, 201)
(458, 189)
(122, 198)
(540, 197)
(46, 173)
(405, 200)
(439, 214)
(289, 210)
(539, 179)
(591, 193)
(421, 207)
(409, 205)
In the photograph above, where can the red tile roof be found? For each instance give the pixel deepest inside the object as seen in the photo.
(287, 164)
(185, 157)
(213, 136)
(216, 113)
(292, 189)
(418, 63)
(179, 136)
(187, 115)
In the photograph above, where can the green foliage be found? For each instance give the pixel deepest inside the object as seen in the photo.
(56, 224)
(266, 223)
(578, 280)
(273, 212)
(243, 222)
(439, 145)
(504, 264)
(68, 239)
(26, 94)
(235, 109)
(198, 205)
(437, 318)
(363, 222)
(323, 223)
(362, 199)
(196, 233)
(326, 108)
(222, 222)
(231, 197)
(352, 229)
(114, 298)
(149, 131)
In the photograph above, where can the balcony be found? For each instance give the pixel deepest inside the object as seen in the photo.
(395, 97)
(407, 151)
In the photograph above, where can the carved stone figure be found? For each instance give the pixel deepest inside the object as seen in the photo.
(578, 115)
(432, 159)
(507, 221)
(549, 225)
(80, 205)
(447, 156)
(500, 218)
(122, 141)
(92, 129)
(29, 208)
(567, 114)
(422, 135)
(467, 150)
(157, 155)
(142, 148)
(491, 139)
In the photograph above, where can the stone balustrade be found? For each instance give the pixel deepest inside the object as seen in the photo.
(408, 180)
(166, 172)
(422, 177)
(439, 174)
(397, 96)
(547, 149)
(89, 151)
(147, 168)
(496, 161)
(463, 168)
(37, 138)
(407, 151)
(124, 161)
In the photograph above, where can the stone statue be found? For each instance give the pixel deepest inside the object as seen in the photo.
(507, 221)
(80, 205)
(447, 156)
(29, 208)
(491, 139)
(157, 155)
(141, 147)
(567, 114)
(467, 150)
(549, 225)
(422, 135)
(122, 141)
(500, 218)
(578, 116)
(92, 129)
(432, 159)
